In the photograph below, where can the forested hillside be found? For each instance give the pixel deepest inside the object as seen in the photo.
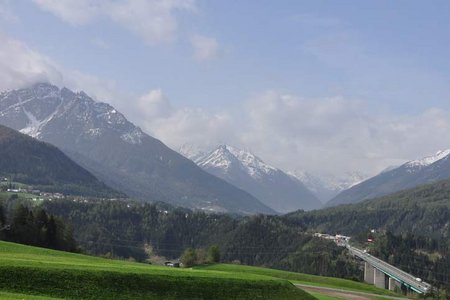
(140, 231)
(423, 210)
(426, 257)
(45, 167)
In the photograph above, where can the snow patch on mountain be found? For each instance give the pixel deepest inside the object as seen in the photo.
(255, 166)
(33, 125)
(429, 160)
(94, 132)
(133, 137)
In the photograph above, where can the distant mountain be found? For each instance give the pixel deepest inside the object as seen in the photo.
(45, 167)
(102, 140)
(327, 186)
(276, 189)
(411, 174)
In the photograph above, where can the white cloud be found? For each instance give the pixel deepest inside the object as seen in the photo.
(75, 12)
(205, 48)
(154, 21)
(154, 105)
(156, 115)
(21, 66)
(328, 135)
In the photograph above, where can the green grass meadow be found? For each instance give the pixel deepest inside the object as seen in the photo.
(300, 278)
(47, 274)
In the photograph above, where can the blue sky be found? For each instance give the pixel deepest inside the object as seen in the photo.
(210, 61)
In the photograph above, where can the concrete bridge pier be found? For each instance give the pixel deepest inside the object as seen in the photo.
(368, 273)
(379, 279)
(394, 284)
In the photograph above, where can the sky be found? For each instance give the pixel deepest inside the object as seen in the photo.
(329, 87)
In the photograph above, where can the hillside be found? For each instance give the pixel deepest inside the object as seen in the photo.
(147, 231)
(424, 210)
(275, 188)
(103, 141)
(37, 271)
(409, 175)
(45, 167)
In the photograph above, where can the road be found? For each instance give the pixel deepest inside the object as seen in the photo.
(396, 273)
(344, 294)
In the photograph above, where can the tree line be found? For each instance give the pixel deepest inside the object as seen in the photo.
(127, 229)
(37, 228)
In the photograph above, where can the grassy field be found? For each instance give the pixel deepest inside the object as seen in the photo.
(54, 274)
(300, 278)
(16, 296)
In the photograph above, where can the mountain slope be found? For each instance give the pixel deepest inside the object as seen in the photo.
(423, 210)
(42, 165)
(273, 187)
(102, 140)
(411, 174)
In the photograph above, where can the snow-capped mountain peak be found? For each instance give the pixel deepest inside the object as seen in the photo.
(219, 158)
(225, 156)
(33, 110)
(250, 173)
(426, 161)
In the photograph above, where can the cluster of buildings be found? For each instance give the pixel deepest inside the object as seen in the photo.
(29, 190)
(340, 240)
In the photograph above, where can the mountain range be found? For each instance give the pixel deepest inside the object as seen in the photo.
(119, 154)
(45, 167)
(276, 189)
(411, 174)
(102, 140)
(327, 186)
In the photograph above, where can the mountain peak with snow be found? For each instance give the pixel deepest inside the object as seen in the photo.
(34, 109)
(250, 173)
(226, 156)
(409, 175)
(428, 160)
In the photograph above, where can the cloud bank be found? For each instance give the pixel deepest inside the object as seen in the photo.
(329, 135)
